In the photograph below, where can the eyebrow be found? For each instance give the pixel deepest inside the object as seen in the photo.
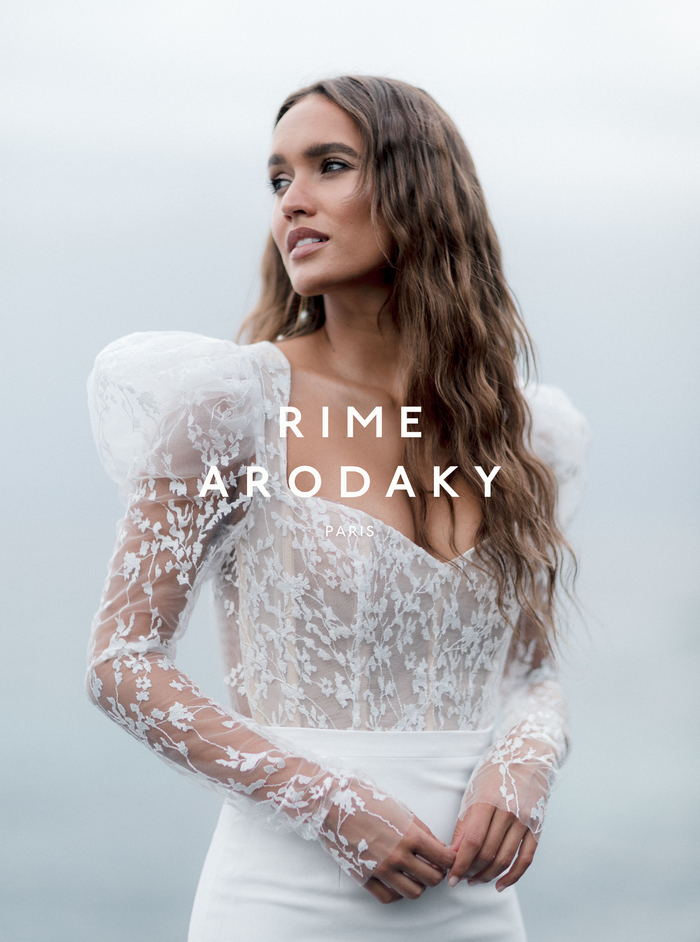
(317, 150)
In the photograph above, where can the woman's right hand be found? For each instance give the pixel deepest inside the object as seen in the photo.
(418, 861)
(380, 842)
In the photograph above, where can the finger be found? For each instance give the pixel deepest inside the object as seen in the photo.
(477, 811)
(434, 851)
(500, 823)
(522, 862)
(410, 859)
(421, 871)
(504, 855)
(477, 825)
(460, 828)
(426, 830)
(380, 891)
(403, 860)
(404, 885)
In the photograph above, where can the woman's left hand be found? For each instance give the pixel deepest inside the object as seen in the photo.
(486, 841)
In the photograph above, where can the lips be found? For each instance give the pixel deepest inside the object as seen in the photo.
(311, 240)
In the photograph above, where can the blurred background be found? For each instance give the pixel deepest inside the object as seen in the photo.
(133, 141)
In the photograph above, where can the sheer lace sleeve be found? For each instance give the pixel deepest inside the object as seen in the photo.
(521, 768)
(164, 407)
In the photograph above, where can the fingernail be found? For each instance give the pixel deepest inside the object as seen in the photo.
(453, 881)
(500, 889)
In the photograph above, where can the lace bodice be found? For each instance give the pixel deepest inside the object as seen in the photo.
(329, 617)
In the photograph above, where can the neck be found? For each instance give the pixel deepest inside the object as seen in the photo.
(360, 340)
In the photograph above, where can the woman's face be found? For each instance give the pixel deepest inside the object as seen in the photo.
(314, 173)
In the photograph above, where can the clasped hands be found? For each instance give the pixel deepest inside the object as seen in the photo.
(485, 843)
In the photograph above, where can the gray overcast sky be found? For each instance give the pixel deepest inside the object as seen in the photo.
(130, 131)
(545, 92)
(133, 141)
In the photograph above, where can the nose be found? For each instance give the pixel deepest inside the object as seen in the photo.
(297, 199)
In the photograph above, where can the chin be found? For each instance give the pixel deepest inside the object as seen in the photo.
(309, 287)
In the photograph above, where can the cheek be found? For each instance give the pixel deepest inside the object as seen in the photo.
(369, 241)
(356, 225)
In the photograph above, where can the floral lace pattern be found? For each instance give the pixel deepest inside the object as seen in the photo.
(349, 632)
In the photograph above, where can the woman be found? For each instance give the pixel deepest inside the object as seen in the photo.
(385, 578)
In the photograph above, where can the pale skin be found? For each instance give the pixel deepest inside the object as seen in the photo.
(355, 360)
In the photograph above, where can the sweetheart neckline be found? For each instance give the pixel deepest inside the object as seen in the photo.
(417, 548)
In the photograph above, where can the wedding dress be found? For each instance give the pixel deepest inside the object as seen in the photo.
(369, 681)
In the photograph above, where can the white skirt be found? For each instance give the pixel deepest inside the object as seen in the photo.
(258, 884)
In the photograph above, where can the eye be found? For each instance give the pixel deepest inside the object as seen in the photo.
(332, 165)
(277, 183)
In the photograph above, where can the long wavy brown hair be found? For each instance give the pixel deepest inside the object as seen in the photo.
(460, 330)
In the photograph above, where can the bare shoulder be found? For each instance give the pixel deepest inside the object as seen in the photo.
(303, 353)
(316, 374)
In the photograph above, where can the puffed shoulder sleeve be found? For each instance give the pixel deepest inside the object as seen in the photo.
(171, 404)
(561, 437)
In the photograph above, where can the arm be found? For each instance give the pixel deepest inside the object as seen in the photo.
(169, 539)
(519, 771)
(159, 562)
(503, 808)
(504, 804)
